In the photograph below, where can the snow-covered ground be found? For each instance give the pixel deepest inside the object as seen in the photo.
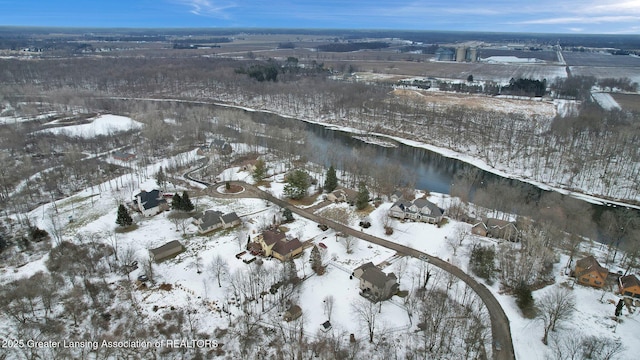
(605, 100)
(101, 125)
(95, 213)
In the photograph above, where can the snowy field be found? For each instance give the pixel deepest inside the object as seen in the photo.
(101, 125)
(605, 100)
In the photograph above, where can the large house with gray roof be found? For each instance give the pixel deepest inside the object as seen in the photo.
(417, 210)
(375, 285)
(211, 220)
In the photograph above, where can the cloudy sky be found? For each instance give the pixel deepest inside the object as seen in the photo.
(555, 16)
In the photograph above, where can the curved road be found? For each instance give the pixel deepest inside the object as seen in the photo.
(500, 330)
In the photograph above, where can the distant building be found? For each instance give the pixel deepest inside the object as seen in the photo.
(122, 156)
(445, 54)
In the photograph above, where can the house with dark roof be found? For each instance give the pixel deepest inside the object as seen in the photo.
(588, 271)
(496, 228)
(123, 156)
(629, 286)
(375, 285)
(275, 243)
(417, 210)
(150, 203)
(292, 313)
(211, 220)
(502, 229)
(166, 251)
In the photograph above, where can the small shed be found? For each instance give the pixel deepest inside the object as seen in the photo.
(326, 326)
(166, 251)
(293, 313)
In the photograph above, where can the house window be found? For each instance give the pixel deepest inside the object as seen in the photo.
(598, 282)
(628, 293)
(585, 279)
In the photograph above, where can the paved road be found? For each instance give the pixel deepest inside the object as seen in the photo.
(500, 329)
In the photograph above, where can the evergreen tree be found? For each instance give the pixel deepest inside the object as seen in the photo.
(362, 199)
(260, 171)
(482, 261)
(288, 215)
(524, 299)
(297, 184)
(161, 178)
(123, 219)
(187, 205)
(176, 202)
(316, 259)
(331, 182)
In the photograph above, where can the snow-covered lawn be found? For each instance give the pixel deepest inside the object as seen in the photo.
(605, 100)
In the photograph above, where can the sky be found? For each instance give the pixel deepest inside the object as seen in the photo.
(545, 16)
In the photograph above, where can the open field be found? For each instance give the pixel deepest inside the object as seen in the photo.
(599, 59)
(629, 102)
(549, 56)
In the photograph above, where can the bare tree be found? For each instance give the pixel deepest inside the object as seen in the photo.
(366, 313)
(218, 268)
(349, 243)
(327, 305)
(555, 307)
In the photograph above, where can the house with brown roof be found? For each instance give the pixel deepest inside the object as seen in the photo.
(629, 286)
(292, 313)
(275, 243)
(496, 228)
(589, 272)
(375, 285)
(166, 251)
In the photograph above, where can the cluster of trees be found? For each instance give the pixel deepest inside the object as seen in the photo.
(182, 203)
(352, 46)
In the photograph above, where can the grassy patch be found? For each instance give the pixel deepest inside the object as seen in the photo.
(284, 229)
(305, 201)
(126, 229)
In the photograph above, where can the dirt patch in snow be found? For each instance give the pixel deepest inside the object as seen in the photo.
(520, 106)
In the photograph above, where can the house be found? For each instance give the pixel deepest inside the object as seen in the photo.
(501, 229)
(589, 272)
(150, 203)
(629, 286)
(417, 210)
(357, 272)
(496, 228)
(166, 251)
(292, 313)
(274, 243)
(211, 220)
(122, 156)
(375, 285)
(337, 195)
(221, 146)
(396, 195)
(479, 229)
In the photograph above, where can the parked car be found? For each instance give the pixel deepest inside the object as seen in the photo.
(323, 227)
(143, 278)
(322, 245)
